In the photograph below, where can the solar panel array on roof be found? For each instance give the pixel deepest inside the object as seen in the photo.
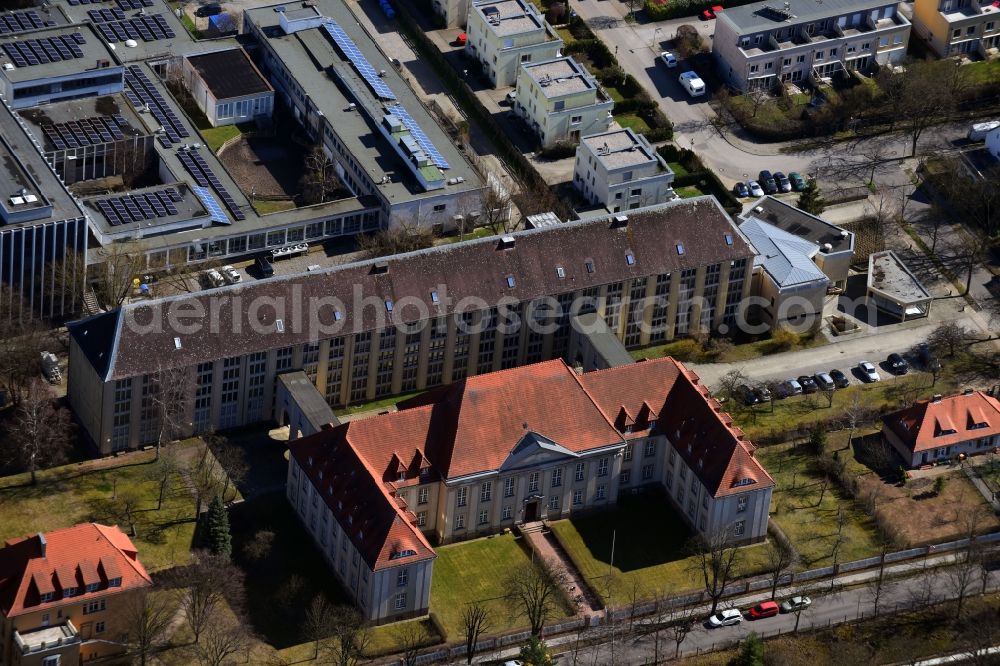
(84, 2)
(29, 52)
(214, 209)
(425, 143)
(140, 92)
(133, 4)
(205, 177)
(85, 132)
(365, 69)
(137, 207)
(149, 28)
(20, 21)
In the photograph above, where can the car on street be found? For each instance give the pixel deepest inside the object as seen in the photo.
(798, 182)
(897, 364)
(793, 387)
(692, 83)
(795, 604)
(231, 274)
(755, 188)
(784, 184)
(211, 9)
(746, 395)
(840, 380)
(711, 13)
(763, 394)
(766, 181)
(808, 384)
(741, 191)
(824, 381)
(725, 618)
(513, 662)
(868, 371)
(925, 356)
(763, 609)
(669, 59)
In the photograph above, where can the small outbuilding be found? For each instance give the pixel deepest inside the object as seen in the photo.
(228, 87)
(893, 289)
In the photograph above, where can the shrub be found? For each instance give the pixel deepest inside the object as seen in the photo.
(559, 150)
(939, 484)
(688, 41)
(783, 340)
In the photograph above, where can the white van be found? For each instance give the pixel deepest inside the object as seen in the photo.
(979, 131)
(692, 83)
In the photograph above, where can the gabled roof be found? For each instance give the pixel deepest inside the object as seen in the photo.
(383, 532)
(74, 557)
(786, 257)
(947, 421)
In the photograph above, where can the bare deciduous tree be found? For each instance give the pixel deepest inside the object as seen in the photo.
(534, 592)
(147, 617)
(39, 435)
(476, 621)
(411, 637)
(779, 561)
(949, 336)
(168, 392)
(497, 204)
(318, 622)
(960, 578)
(320, 182)
(348, 640)
(715, 561)
(223, 639)
(682, 623)
(206, 587)
(118, 264)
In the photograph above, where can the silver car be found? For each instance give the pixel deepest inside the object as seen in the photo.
(755, 188)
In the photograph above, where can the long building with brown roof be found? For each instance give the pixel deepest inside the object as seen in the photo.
(521, 445)
(944, 427)
(408, 322)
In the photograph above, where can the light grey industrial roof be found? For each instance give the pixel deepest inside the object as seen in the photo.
(309, 400)
(23, 166)
(619, 148)
(607, 345)
(516, 16)
(786, 258)
(756, 17)
(888, 274)
(36, 117)
(309, 55)
(181, 43)
(560, 76)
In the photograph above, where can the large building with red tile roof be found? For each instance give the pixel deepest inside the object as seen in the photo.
(944, 427)
(63, 595)
(539, 442)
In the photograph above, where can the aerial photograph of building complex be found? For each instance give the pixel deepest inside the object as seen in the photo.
(503, 332)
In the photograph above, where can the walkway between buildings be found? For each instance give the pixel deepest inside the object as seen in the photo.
(545, 546)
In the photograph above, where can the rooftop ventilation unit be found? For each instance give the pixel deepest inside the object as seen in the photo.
(619, 221)
(380, 268)
(506, 243)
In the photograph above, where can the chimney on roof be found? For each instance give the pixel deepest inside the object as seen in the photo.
(42, 544)
(506, 243)
(380, 267)
(619, 221)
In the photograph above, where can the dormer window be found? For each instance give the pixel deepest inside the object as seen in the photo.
(590, 266)
(680, 249)
(729, 239)
(402, 475)
(627, 429)
(388, 305)
(743, 482)
(652, 422)
(45, 597)
(115, 582)
(434, 297)
(92, 587)
(560, 272)
(337, 315)
(279, 325)
(69, 591)
(510, 281)
(630, 259)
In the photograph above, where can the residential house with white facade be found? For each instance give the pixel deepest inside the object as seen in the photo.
(954, 27)
(944, 427)
(620, 170)
(560, 100)
(761, 45)
(504, 34)
(491, 452)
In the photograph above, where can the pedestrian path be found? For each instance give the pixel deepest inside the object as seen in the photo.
(544, 544)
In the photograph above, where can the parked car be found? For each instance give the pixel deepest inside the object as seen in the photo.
(840, 380)
(808, 384)
(766, 181)
(755, 188)
(740, 190)
(798, 182)
(897, 364)
(513, 662)
(231, 274)
(711, 12)
(795, 604)
(692, 83)
(746, 395)
(783, 183)
(462, 39)
(764, 609)
(763, 394)
(725, 618)
(213, 278)
(264, 266)
(669, 59)
(824, 381)
(792, 387)
(928, 361)
(211, 9)
(868, 371)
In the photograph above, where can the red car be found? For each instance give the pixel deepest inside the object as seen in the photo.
(764, 609)
(710, 13)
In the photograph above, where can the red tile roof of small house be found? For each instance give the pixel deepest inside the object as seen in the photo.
(72, 557)
(950, 420)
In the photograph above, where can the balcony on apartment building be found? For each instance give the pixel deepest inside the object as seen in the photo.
(46, 639)
(792, 37)
(959, 10)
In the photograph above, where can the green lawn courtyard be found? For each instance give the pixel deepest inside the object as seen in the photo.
(475, 571)
(93, 491)
(651, 551)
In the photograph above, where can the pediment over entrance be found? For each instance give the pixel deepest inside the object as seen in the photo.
(535, 450)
